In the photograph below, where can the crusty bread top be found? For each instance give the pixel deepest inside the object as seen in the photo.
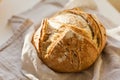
(70, 41)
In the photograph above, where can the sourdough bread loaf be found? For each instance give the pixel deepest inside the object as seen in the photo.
(70, 41)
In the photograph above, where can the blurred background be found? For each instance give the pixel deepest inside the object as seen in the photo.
(115, 4)
(8, 8)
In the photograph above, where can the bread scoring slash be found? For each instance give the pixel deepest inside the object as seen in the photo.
(70, 41)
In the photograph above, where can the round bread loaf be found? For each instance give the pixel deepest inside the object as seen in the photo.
(70, 41)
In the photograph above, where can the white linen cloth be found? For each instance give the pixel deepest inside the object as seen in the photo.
(10, 52)
(107, 66)
(25, 66)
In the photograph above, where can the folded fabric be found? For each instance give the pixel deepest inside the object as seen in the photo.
(106, 67)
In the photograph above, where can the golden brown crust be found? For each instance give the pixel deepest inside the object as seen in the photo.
(70, 41)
